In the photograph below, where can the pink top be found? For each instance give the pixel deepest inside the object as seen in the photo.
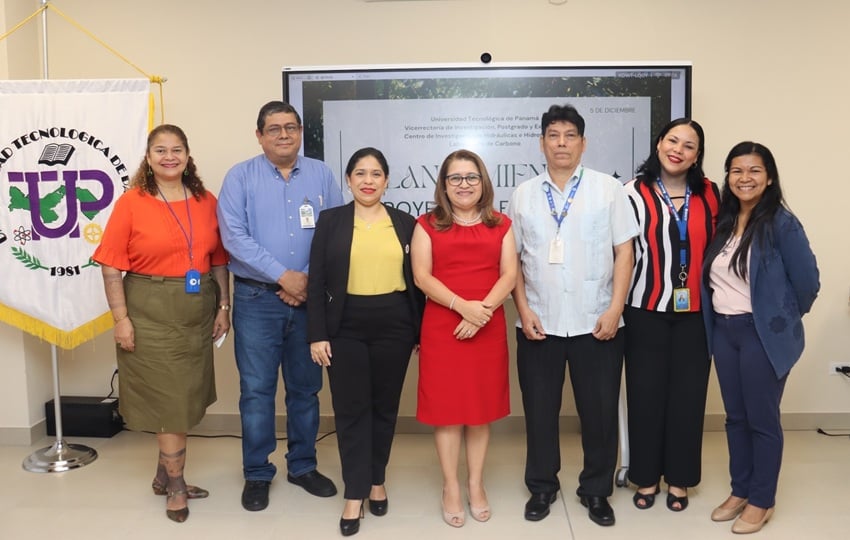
(731, 293)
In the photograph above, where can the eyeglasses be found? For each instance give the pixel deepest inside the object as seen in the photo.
(290, 129)
(457, 179)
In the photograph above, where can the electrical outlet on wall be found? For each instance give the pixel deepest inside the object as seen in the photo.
(835, 367)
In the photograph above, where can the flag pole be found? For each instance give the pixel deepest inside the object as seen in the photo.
(61, 456)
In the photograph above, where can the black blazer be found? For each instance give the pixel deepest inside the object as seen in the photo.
(330, 261)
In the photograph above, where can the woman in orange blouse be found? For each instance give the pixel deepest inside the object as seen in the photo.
(169, 307)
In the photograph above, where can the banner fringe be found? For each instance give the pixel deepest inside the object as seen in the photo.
(55, 336)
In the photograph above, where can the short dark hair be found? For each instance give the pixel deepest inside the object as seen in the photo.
(274, 107)
(365, 152)
(562, 113)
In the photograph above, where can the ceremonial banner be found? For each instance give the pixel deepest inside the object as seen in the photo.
(67, 152)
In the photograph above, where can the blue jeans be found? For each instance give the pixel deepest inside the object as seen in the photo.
(271, 336)
(751, 395)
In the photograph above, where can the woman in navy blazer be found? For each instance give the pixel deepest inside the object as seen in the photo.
(363, 316)
(760, 278)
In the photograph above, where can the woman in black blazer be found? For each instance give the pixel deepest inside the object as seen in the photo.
(363, 314)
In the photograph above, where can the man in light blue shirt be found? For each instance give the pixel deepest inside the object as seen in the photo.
(574, 230)
(267, 211)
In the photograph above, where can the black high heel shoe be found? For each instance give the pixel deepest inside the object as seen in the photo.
(349, 527)
(379, 508)
(644, 501)
(673, 499)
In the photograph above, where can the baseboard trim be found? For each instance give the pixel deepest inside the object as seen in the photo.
(229, 423)
(516, 424)
(22, 436)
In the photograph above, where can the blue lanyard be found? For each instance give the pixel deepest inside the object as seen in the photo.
(559, 218)
(681, 224)
(189, 214)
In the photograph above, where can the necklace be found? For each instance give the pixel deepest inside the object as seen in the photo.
(371, 218)
(462, 221)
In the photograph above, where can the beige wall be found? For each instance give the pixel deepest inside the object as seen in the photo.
(773, 71)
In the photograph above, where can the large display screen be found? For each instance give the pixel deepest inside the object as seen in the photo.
(417, 115)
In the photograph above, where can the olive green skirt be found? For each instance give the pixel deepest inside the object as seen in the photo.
(167, 383)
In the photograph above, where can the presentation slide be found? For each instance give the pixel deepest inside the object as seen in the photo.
(416, 135)
(417, 115)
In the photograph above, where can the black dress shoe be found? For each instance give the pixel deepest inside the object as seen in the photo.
(379, 508)
(315, 483)
(538, 505)
(598, 509)
(255, 495)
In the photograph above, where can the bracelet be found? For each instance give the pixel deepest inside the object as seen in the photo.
(119, 319)
(224, 307)
(452, 303)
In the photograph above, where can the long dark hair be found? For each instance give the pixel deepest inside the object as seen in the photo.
(443, 210)
(144, 180)
(650, 170)
(759, 224)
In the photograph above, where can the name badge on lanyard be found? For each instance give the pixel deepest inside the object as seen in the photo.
(681, 294)
(193, 277)
(308, 218)
(556, 251)
(193, 282)
(681, 300)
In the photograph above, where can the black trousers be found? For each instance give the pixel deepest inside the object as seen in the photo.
(667, 368)
(595, 372)
(370, 356)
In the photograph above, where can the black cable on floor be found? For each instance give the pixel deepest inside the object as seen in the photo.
(822, 432)
(229, 436)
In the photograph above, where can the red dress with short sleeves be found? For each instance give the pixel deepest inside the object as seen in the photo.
(463, 381)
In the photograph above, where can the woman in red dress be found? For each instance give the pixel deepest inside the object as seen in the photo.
(464, 259)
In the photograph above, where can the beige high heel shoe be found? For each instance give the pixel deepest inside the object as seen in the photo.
(728, 514)
(481, 514)
(454, 519)
(745, 527)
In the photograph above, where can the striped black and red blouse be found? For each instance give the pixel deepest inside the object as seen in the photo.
(657, 268)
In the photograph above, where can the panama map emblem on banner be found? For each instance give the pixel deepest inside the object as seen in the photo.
(67, 151)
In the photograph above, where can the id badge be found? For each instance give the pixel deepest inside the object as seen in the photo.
(681, 300)
(556, 251)
(193, 282)
(308, 219)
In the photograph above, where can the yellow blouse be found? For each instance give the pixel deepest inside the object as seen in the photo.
(376, 259)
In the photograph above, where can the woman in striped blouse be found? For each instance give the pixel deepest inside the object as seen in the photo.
(667, 360)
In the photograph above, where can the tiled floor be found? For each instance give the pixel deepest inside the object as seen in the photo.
(111, 497)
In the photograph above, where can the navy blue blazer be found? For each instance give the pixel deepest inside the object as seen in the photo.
(330, 262)
(784, 282)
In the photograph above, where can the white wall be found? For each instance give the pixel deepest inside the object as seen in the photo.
(768, 71)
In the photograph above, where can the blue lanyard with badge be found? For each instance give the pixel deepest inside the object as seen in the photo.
(556, 246)
(681, 295)
(193, 277)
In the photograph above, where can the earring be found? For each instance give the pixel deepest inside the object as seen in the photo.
(186, 172)
(150, 171)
